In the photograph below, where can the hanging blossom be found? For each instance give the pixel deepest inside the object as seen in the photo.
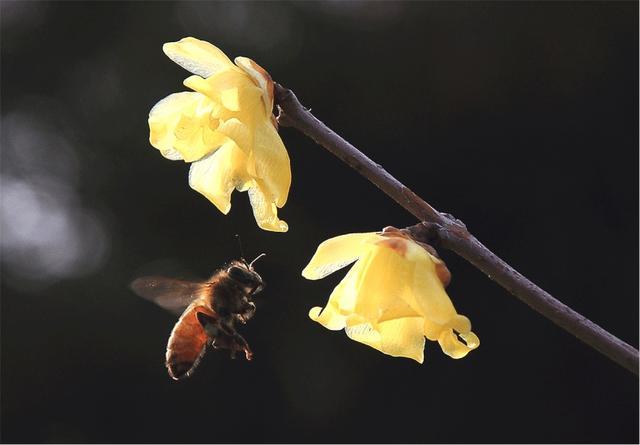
(393, 297)
(226, 129)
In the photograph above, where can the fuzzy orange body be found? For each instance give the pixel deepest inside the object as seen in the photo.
(212, 309)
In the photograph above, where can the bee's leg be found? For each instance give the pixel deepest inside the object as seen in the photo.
(242, 345)
(247, 311)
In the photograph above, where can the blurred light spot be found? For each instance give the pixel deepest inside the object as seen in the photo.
(21, 17)
(47, 234)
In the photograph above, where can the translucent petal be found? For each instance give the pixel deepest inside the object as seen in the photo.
(196, 136)
(403, 338)
(399, 309)
(197, 56)
(429, 296)
(264, 209)
(397, 338)
(218, 174)
(382, 283)
(336, 253)
(432, 330)
(365, 333)
(262, 79)
(328, 317)
(345, 294)
(452, 346)
(238, 132)
(181, 127)
(270, 161)
(232, 89)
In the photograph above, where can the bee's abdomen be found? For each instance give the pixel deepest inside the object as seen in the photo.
(187, 343)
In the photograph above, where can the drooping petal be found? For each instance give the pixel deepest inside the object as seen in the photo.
(270, 161)
(197, 56)
(391, 298)
(451, 344)
(217, 175)
(455, 338)
(238, 132)
(262, 79)
(264, 208)
(181, 127)
(328, 317)
(232, 89)
(366, 334)
(336, 253)
(397, 338)
(429, 297)
(403, 338)
(382, 282)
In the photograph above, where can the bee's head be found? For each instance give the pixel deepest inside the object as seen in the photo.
(245, 275)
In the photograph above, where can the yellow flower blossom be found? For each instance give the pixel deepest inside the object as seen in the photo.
(225, 127)
(392, 297)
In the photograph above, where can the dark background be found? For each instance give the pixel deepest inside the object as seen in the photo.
(521, 119)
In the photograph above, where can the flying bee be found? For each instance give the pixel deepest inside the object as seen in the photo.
(209, 309)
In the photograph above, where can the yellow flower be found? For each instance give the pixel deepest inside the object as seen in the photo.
(226, 129)
(392, 297)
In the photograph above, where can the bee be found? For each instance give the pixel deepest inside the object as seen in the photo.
(210, 310)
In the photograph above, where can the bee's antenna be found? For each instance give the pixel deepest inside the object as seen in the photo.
(257, 258)
(240, 245)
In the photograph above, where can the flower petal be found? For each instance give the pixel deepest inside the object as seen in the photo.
(197, 56)
(403, 338)
(397, 338)
(366, 334)
(270, 161)
(328, 317)
(428, 295)
(453, 347)
(262, 79)
(336, 253)
(383, 282)
(218, 174)
(238, 132)
(181, 127)
(264, 208)
(232, 89)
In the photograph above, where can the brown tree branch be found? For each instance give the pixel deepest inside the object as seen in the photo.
(452, 234)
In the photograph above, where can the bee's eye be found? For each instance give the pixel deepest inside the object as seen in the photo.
(241, 275)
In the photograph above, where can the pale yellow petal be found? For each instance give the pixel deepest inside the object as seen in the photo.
(403, 338)
(399, 309)
(397, 338)
(196, 136)
(261, 78)
(328, 317)
(270, 161)
(428, 295)
(197, 56)
(232, 89)
(336, 253)
(366, 334)
(181, 126)
(264, 209)
(432, 330)
(451, 345)
(174, 111)
(217, 175)
(383, 283)
(238, 132)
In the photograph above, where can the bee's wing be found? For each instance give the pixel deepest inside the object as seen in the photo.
(169, 293)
